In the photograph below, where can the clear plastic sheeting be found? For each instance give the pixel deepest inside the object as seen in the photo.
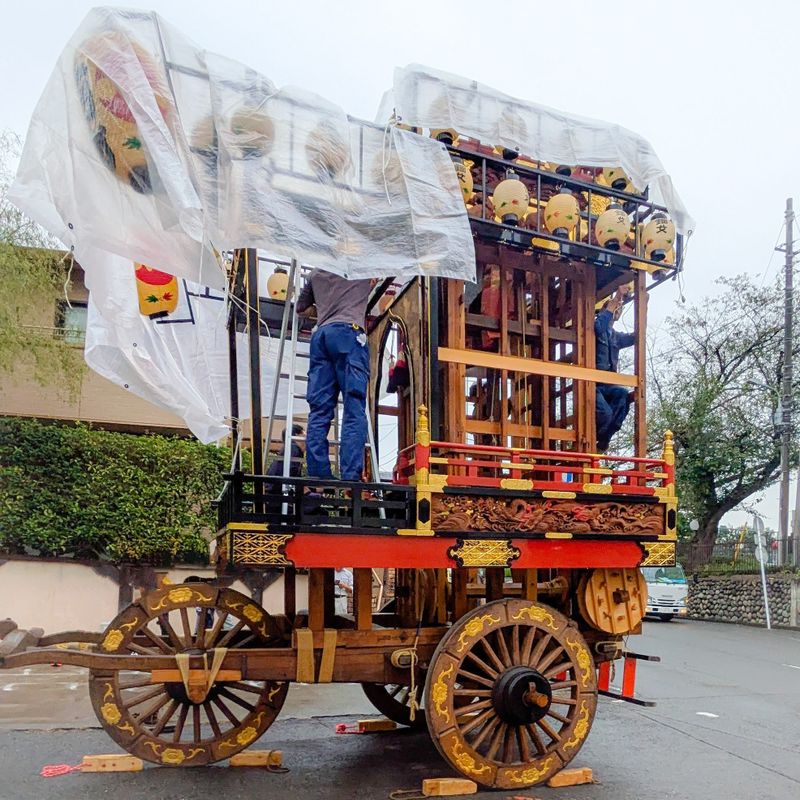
(178, 362)
(428, 98)
(150, 148)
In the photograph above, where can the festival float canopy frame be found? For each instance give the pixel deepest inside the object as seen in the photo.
(146, 149)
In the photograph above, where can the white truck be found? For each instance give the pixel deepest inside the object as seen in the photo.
(666, 591)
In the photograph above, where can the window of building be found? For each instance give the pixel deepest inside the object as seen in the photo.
(71, 322)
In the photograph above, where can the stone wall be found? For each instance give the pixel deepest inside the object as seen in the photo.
(739, 598)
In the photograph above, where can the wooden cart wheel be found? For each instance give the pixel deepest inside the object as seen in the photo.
(151, 714)
(511, 693)
(393, 700)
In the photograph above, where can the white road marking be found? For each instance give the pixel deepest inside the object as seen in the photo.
(706, 714)
(9, 687)
(73, 686)
(27, 671)
(791, 666)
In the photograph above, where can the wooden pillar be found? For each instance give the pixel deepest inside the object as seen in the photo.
(460, 600)
(495, 578)
(455, 421)
(320, 598)
(640, 363)
(362, 598)
(527, 578)
(290, 593)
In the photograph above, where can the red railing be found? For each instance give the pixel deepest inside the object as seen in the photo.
(546, 470)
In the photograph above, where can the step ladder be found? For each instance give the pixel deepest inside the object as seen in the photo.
(290, 324)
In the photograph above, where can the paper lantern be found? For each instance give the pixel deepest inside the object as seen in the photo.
(327, 152)
(252, 133)
(616, 178)
(658, 236)
(278, 284)
(612, 227)
(464, 174)
(561, 214)
(114, 130)
(445, 135)
(510, 199)
(157, 291)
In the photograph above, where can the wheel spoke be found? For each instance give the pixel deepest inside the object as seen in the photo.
(555, 686)
(485, 732)
(508, 745)
(231, 633)
(479, 720)
(483, 665)
(176, 640)
(541, 645)
(527, 646)
(548, 659)
(505, 656)
(176, 735)
(212, 718)
(196, 731)
(396, 690)
(547, 728)
(238, 700)
(492, 655)
(515, 649)
(476, 678)
(250, 638)
(536, 739)
(473, 708)
(245, 687)
(522, 744)
(211, 637)
(557, 669)
(186, 625)
(226, 711)
(136, 684)
(142, 651)
(200, 629)
(153, 707)
(156, 640)
(497, 740)
(166, 717)
(472, 692)
(144, 697)
(559, 717)
(563, 701)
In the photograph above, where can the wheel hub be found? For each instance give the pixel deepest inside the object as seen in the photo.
(521, 696)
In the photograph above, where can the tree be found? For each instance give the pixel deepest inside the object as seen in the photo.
(32, 274)
(716, 386)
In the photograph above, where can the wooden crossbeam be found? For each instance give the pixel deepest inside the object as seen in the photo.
(533, 366)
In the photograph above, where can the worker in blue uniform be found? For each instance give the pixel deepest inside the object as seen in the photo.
(612, 401)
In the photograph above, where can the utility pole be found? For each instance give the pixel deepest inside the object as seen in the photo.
(786, 385)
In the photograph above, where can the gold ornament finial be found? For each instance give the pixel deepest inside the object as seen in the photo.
(668, 453)
(423, 431)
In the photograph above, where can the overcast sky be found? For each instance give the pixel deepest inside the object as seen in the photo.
(712, 85)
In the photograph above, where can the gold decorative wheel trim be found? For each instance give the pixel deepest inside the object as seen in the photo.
(511, 694)
(154, 715)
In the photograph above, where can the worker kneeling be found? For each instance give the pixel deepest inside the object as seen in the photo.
(339, 362)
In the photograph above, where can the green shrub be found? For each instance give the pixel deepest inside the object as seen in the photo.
(91, 493)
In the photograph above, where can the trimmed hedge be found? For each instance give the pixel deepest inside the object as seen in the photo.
(96, 494)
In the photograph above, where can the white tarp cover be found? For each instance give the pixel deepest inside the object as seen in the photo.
(179, 362)
(429, 98)
(148, 147)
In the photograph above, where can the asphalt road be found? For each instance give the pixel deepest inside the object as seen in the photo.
(727, 727)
